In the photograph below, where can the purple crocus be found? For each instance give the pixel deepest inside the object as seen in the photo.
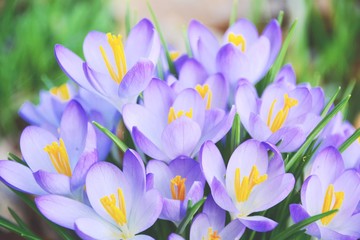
(244, 53)
(56, 165)
(167, 125)
(178, 182)
(330, 187)
(120, 206)
(251, 182)
(117, 73)
(284, 115)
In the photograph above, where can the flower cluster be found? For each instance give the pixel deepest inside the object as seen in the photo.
(197, 172)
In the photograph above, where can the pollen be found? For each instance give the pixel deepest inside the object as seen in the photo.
(206, 93)
(244, 187)
(59, 157)
(175, 115)
(62, 92)
(116, 211)
(237, 40)
(211, 235)
(282, 115)
(330, 197)
(178, 188)
(117, 47)
(174, 55)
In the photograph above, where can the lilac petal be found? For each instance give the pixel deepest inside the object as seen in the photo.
(273, 33)
(162, 176)
(134, 172)
(106, 87)
(291, 138)
(258, 55)
(215, 214)
(29, 113)
(191, 74)
(149, 181)
(327, 233)
(74, 120)
(298, 213)
(213, 117)
(318, 99)
(136, 79)
(147, 146)
(221, 197)
(146, 212)
(244, 27)
(174, 236)
(180, 137)
(328, 165)
(142, 42)
(63, 211)
(53, 183)
(142, 237)
(72, 65)
(304, 99)
(220, 90)
(171, 210)
(352, 226)
(91, 140)
(286, 76)
(33, 140)
(234, 230)
(258, 223)
(312, 195)
(199, 227)
(96, 228)
(211, 162)
(257, 128)
(276, 163)
(19, 177)
(82, 167)
(195, 193)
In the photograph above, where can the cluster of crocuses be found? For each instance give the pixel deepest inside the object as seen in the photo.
(180, 124)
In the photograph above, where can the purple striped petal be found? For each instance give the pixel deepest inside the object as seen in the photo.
(290, 138)
(162, 176)
(215, 214)
(259, 223)
(199, 227)
(298, 213)
(258, 128)
(82, 167)
(234, 230)
(96, 228)
(273, 33)
(221, 196)
(191, 74)
(258, 55)
(171, 210)
(53, 183)
(134, 172)
(147, 146)
(244, 27)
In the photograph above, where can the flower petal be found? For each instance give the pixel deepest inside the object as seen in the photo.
(147, 146)
(221, 197)
(273, 33)
(245, 28)
(134, 172)
(234, 230)
(298, 213)
(162, 176)
(81, 169)
(171, 210)
(96, 228)
(259, 223)
(53, 183)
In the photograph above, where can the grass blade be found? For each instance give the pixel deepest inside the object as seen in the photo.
(16, 229)
(235, 133)
(234, 11)
(190, 214)
(123, 147)
(330, 103)
(355, 136)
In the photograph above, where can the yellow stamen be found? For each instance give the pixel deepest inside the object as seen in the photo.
(205, 91)
(243, 188)
(178, 188)
(282, 114)
(174, 55)
(328, 199)
(59, 157)
(61, 92)
(118, 213)
(173, 115)
(211, 235)
(237, 40)
(117, 47)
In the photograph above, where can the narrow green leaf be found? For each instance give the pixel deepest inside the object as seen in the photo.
(235, 133)
(15, 158)
(162, 39)
(19, 221)
(348, 91)
(280, 17)
(294, 229)
(16, 229)
(186, 40)
(329, 104)
(112, 136)
(234, 11)
(189, 216)
(316, 131)
(355, 136)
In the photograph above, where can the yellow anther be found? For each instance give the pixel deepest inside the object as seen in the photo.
(118, 213)
(243, 188)
(59, 157)
(117, 47)
(211, 235)
(205, 91)
(178, 188)
(237, 40)
(281, 116)
(174, 55)
(328, 200)
(173, 115)
(62, 92)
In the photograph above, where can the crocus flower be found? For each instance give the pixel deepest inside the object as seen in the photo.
(244, 54)
(120, 207)
(167, 125)
(251, 182)
(117, 73)
(330, 187)
(56, 165)
(178, 182)
(284, 115)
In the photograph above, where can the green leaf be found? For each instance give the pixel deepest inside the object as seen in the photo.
(235, 133)
(316, 131)
(296, 228)
(189, 216)
(112, 136)
(234, 11)
(329, 104)
(280, 17)
(162, 39)
(15, 158)
(16, 229)
(19, 221)
(187, 43)
(350, 140)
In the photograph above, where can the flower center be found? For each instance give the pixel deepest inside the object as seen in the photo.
(282, 114)
(62, 92)
(59, 157)
(243, 188)
(175, 115)
(205, 91)
(237, 40)
(117, 47)
(211, 235)
(178, 188)
(328, 200)
(116, 212)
